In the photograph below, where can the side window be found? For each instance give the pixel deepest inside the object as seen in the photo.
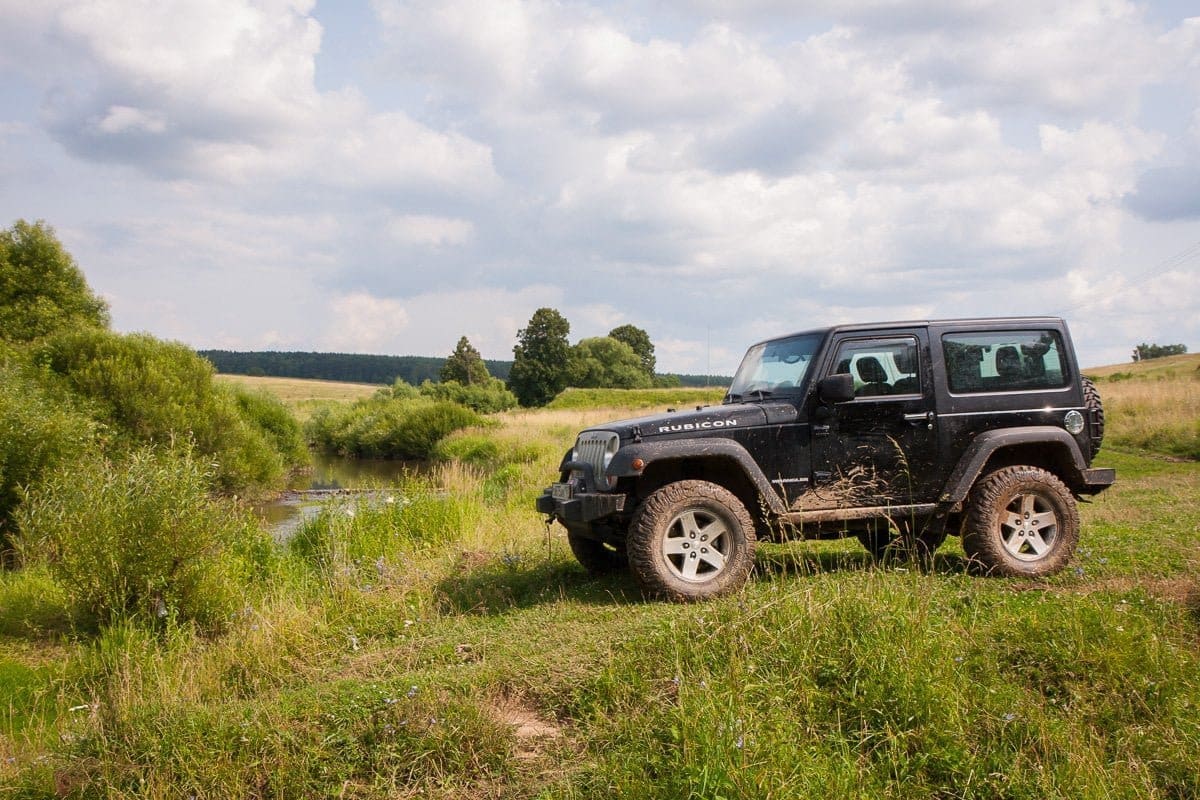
(881, 366)
(1003, 361)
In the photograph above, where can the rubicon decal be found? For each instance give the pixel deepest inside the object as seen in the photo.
(698, 426)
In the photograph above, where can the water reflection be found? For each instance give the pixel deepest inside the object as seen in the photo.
(329, 478)
(336, 472)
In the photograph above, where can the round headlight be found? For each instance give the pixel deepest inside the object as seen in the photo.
(1073, 422)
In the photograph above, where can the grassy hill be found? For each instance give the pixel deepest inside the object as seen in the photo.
(439, 642)
(1153, 406)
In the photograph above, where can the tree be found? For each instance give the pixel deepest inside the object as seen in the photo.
(465, 365)
(603, 362)
(639, 340)
(41, 288)
(540, 358)
(1144, 352)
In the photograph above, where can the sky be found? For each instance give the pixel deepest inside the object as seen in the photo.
(386, 176)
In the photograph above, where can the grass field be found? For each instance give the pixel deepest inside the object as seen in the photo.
(1153, 406)
(304, 396)
(447, 645)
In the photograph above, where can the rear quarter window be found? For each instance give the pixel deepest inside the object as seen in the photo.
(1004, 361)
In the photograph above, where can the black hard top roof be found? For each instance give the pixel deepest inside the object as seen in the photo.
(966, 322)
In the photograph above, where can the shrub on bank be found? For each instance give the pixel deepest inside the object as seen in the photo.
(486, 398)
(141, 538)
(37, 433)
(151, 392)
(382, 427)
(269, 415)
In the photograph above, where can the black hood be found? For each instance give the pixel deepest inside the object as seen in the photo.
(691, 422)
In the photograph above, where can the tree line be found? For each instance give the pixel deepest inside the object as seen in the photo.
(415, 370)
(346, 367)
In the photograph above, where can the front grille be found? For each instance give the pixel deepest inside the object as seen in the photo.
(595, 447)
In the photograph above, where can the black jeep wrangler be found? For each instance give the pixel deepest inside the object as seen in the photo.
(897, 433)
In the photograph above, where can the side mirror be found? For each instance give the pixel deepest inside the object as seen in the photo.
(836, 388)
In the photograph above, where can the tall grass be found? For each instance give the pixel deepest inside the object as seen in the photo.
(1159, 413)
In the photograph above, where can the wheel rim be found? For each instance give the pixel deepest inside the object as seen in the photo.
(1028, 527)
(696, 546)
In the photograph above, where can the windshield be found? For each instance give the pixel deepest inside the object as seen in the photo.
(774, 368)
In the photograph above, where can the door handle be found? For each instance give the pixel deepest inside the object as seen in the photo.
(925, 417)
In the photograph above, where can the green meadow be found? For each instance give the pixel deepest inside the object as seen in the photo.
(437, 640)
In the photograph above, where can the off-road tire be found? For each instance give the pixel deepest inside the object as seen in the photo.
(596, 557)
(1021, 522)
(902, 539)
(1091, 401)
(691, 540)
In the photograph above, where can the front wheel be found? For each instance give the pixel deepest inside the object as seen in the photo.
(1021, 522)
(691, 540)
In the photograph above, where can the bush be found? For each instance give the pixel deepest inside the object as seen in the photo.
(271, 417)
(486, 398)
(379, 427)
(150, 392)
(37, 433)
(141, 538)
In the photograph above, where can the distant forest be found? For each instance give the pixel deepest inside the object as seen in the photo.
(356, 368)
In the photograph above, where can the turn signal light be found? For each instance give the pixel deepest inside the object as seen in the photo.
(638, 464)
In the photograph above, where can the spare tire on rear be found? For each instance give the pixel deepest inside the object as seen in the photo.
(1095, 409)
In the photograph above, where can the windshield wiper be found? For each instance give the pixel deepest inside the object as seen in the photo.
(762, 394)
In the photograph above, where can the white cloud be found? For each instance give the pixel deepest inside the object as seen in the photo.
(430, 231)
(362, 323)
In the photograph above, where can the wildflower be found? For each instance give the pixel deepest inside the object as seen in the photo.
(412, 691)
(1079, 572)
(1009, 717)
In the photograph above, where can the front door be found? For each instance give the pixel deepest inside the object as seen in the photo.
(880, 448)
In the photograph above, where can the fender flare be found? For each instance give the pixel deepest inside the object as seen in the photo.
(972, 462)
(705, 449)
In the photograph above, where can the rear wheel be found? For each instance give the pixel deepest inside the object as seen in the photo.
(691, 540)
(1021, 521)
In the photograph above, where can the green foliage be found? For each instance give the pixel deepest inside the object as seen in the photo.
(147, 391)
(639, 340)
(354, 537)
(140, 538)
(1144, 352)
(605, 362)
(402, 390)
(382, 427)
(487, 397)
(41, 288)
(540, 358)
(484, 450)
(465, 365)
(38, 431)
(271, 417)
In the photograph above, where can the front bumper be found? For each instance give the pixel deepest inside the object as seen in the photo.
(584, 502)
(582, 506)
(1097, 480)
